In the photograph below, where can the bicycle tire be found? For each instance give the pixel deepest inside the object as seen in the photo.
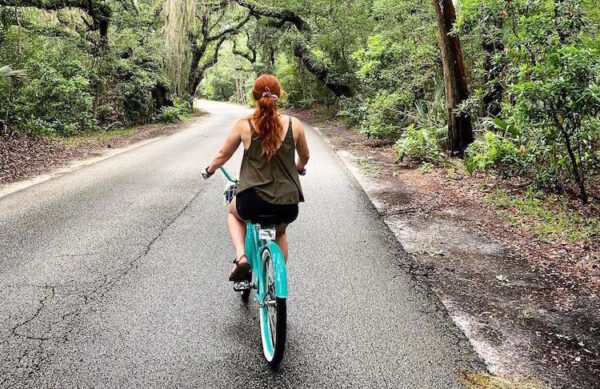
(281, 332)
(273, 346)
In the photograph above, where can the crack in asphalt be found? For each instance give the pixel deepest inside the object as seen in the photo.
(42, 303)
(96, 293)
(166, 224)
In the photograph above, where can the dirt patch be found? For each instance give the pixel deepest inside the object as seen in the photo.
(27, 155)
(530, 307)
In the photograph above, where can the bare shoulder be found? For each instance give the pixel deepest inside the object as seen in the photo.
(297, 125)
(241, 130)
(242, 125)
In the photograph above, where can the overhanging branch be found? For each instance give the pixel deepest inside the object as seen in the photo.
(300, 45)
(270, 12)
(230, 30)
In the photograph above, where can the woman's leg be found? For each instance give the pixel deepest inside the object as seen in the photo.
(282, 240)
(237, 231)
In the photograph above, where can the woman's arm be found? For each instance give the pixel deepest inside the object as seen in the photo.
(301, 147)
(229, 147)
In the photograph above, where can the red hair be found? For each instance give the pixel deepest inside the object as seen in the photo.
(266, 91)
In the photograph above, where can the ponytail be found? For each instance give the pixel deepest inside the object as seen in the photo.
(266, 92)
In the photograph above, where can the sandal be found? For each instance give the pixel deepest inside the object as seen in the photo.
(241, 272)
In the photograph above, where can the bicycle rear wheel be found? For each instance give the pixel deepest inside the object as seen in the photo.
(272, 314)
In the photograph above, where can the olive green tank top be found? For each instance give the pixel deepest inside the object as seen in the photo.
(275, 181)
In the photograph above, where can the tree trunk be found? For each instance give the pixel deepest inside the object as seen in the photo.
(319, 70)
(579, 178)
(198, 70)
(460, 130)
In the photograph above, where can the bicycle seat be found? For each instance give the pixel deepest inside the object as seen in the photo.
(266, 221)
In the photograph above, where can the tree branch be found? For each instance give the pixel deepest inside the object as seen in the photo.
(285, 15)
(250, 56)
(230, 29)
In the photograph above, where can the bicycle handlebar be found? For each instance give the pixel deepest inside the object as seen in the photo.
(226, 174)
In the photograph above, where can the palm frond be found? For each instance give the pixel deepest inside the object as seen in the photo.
(8, 72)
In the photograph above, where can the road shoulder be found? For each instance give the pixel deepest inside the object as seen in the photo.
(513, 313)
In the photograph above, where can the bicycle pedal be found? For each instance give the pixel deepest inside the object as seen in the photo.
(242, 286)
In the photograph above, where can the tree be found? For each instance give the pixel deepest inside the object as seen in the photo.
(557, 97)
(460, 131)
(210, 35)
(300, 44)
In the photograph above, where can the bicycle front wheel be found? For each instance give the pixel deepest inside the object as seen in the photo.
(273, 315)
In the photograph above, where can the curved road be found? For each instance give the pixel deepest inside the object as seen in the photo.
(115, 276)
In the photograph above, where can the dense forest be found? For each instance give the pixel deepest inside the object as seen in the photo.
(509, 85)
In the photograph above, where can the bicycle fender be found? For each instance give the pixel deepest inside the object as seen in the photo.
(281, 287)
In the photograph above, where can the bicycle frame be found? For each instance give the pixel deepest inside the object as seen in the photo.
(254, 250)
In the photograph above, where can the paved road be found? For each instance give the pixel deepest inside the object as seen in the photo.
(115, 276)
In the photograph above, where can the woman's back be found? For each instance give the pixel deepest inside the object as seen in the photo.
(274, 179)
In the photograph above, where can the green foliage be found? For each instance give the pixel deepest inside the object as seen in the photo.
(422, 145)
(179, 110)
(426, 167)
(397, 71)
(219, 85)
(557, 103)
(494, 151)
(55, 98)
(386, 115)
(536, 62)
(71, 82)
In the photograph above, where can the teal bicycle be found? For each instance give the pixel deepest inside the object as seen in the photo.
(268, 279)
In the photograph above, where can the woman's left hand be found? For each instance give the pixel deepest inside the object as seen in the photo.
(206, 173)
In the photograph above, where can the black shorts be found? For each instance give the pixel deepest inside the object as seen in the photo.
(251, 207)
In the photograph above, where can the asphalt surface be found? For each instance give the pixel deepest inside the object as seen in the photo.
(115, 275)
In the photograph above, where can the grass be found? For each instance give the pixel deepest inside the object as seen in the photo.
(426, 168)
(369, 168)
(548, 216)
(486, 381)
(99, 137)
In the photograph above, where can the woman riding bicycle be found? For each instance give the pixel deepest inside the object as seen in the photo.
(269, 189)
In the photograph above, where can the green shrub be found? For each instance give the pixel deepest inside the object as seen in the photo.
(386, 115)
(423, 145)
(55, 100)
(493, 151)
(169, 115)
(219, 85)
(180, 109)
(135, 92)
